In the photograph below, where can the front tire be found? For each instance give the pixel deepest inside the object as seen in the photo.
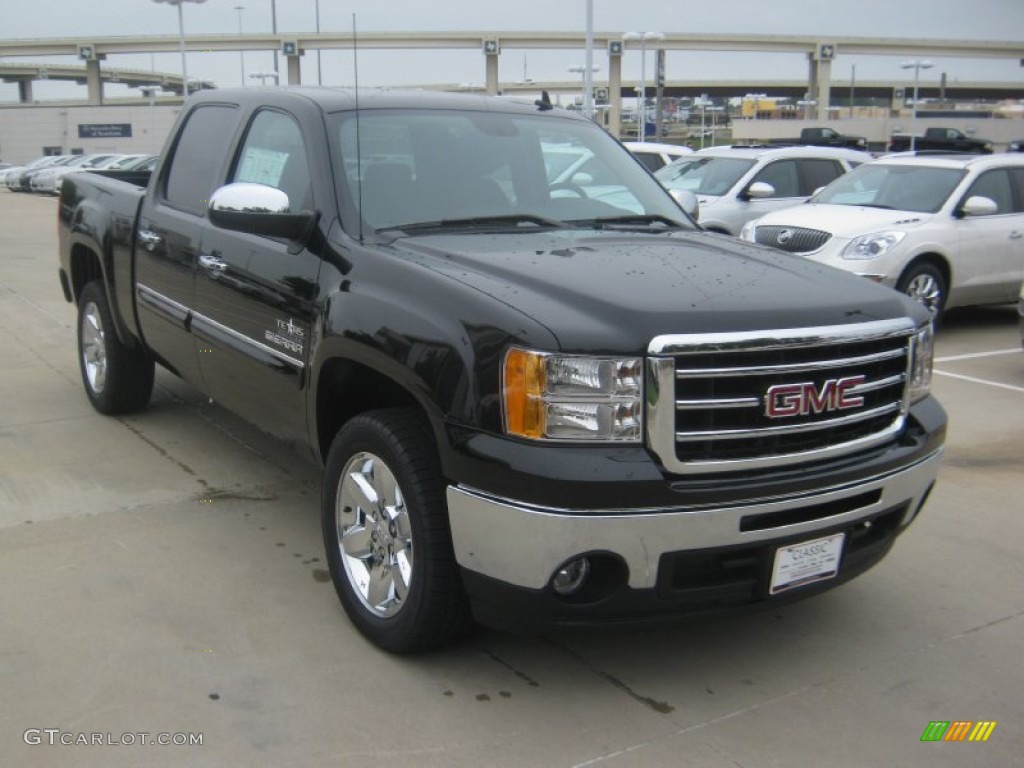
(924, 282)
(386, 533)
(117, 378)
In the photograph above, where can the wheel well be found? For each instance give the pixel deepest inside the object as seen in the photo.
(937, 261)
(346, 389)
(85, 267)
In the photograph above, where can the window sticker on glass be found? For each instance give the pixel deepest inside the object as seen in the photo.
(262, 166)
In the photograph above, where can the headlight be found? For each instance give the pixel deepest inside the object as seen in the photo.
(921, 364)
(872, 246)
(747, 233)
(568, 397)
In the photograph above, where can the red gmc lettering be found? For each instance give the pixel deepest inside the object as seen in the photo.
(784, 400)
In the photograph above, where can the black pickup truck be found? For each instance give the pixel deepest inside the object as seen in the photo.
(941, 140)
(537, 402)
(824, 137)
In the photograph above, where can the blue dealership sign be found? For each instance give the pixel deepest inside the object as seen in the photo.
(104, 130)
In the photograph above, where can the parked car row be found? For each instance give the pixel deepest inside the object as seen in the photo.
(45, 174)
(946, 229)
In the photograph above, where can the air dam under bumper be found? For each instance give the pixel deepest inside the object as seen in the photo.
(510, 550)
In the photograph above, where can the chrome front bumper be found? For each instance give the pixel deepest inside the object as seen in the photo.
(522, 545)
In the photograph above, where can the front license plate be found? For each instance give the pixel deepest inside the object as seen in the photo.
(806, 562)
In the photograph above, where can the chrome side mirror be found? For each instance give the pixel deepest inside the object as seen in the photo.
(259, 210)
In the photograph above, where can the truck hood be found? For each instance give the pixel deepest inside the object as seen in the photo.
(615, 291)
(845, 221)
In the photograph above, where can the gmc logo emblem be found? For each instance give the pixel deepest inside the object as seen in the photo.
(785, 400)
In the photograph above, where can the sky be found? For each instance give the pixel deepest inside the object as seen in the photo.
(1000, 20)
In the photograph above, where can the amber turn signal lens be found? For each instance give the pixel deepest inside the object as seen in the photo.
(524, 386)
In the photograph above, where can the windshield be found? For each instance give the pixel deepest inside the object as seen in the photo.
(916, 188)
(416, 169)
(704, 175)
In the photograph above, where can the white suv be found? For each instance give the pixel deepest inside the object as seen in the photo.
(947, 230)
(736, 184)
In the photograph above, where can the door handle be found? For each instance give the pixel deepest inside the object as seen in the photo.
(149, 239)
(212, 263)
(1016, 235)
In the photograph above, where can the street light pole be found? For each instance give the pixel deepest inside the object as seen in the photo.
(241, 53)
(588, 79)
(181, 37)
(273, 28)
(319, 71)
(917, 66)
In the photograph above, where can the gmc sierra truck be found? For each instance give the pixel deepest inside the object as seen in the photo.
(536, 402)
(824, 137)
(941, 140)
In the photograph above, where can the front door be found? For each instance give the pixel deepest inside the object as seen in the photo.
(255, 296)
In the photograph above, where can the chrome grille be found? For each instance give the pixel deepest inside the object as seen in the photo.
(708, 403)
(791, 239)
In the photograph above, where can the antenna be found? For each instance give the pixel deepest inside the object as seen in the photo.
(359, 147)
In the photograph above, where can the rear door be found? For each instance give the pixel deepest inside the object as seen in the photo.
(254, 301)
(169, 230)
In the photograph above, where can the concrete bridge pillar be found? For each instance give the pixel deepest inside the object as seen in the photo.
(294, 70)
(614, 92)
(93, 81)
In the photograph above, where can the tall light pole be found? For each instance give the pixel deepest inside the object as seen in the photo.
(273, 28)
(181, 37)
(588, 79)
(241, 53)
(643, 37)
(319, 71)
(917, 66)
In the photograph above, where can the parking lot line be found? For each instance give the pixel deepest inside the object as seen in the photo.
(972, 355)
(975, 380)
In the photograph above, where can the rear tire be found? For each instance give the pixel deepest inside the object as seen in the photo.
(386, 533)
(117, 378)
(924, 283)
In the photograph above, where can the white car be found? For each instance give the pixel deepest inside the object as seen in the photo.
(947, 230)
(736, 184)
(655, 156)
(48, 181)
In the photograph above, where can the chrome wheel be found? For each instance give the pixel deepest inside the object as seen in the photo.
(94, 348)
(925, 289)
(374, 534)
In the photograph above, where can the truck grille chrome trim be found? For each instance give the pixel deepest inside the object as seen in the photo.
(758, 400)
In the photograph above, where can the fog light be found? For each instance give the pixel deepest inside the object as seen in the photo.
(570, 577)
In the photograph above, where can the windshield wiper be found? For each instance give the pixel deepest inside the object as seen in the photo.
(634, 219)
(506, 221)
(877, 205)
